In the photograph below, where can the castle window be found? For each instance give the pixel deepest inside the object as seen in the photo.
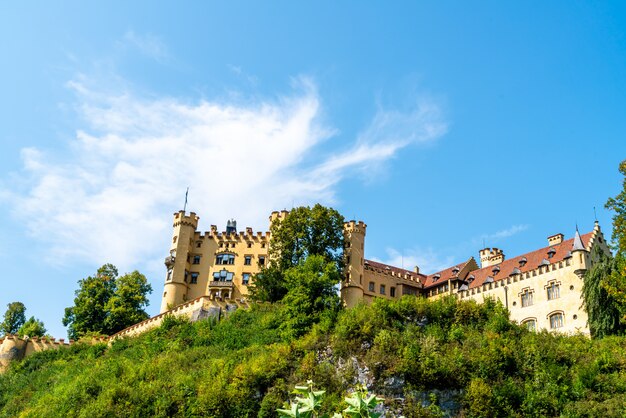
(196, 259)
(245, 278)
(556, 320)
(194, 278)
(263, 245)
(225, 259)
(531, 324)
(554, 291)
(348, 259)
(174, 240)
(360, 279)
(527, 298)
(392, 292)
(261, 260)
(169, 275)
(232, 245)
(223, 276)
(221, 244)
(371, 287)
(247, 260)
(249, 244)
(382, 289)
(198, 244)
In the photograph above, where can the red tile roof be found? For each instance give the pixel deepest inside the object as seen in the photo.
(398, 271)
(444, 275)
(533, 260)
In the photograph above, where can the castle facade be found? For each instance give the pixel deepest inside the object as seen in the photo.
(541, 289)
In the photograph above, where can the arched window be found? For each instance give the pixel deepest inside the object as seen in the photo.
(530, 323)
(556, 320)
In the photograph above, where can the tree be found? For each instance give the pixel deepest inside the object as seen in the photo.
(304, 232)
(307, 231)
(14, 318)
(107, 303)
(603, 309)
(618, 205)
(311, 294)
(32, 328)
(125, 307)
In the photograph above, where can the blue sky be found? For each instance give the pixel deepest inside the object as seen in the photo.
(439, 124)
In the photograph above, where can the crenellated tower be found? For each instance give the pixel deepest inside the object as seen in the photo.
(178, 263)
(354, 253)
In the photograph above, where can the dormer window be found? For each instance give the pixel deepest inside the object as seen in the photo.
(522, 261)
(544, 262)
(516, 271)
(489, 279)
(551, 252)
(495, 270)
(436, 277)
(470, 278)
(455, 270)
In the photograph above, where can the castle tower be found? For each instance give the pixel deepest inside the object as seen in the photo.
(490, 257)
(177, 263)
(352, 285)
(579, 255)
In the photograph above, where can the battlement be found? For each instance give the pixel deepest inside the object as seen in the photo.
(355, 226)
(180, 218)
(491, 256)
(276, 215)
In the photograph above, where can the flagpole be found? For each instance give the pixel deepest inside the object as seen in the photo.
(186, 194)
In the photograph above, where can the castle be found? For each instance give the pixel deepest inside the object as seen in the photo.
(208, 274)
(541, 289)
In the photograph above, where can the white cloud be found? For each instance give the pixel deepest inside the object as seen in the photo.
(504, 233)
(428, 260)
(109, 196)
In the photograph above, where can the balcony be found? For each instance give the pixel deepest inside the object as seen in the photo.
(220, 285)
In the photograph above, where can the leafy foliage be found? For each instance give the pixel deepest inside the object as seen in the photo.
(618, 205)
(601, 294)
(14, 318)
(311, 295)
(107, 303)
(33, 327)
(426, 358)
(304, 232)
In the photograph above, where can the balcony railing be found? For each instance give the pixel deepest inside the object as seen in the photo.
(221, 285)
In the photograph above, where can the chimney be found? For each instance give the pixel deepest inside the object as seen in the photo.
(416, 270)
(555, 239)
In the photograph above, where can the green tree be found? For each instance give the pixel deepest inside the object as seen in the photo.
(601, 306)
(126, 305)
(304, 232)
(14, 318)
(311, 294)
(618, 205)
(106, 303)
(33, 328)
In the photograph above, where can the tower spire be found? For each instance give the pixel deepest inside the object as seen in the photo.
(578, 242)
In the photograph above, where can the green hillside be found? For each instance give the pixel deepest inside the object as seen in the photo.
(467, 358)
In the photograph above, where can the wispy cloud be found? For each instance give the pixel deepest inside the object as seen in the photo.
(503, 233)
(427, 259)
(109, 195)
(147, 44)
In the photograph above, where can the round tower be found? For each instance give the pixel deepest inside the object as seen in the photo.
(177, 263)
(352, 284)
